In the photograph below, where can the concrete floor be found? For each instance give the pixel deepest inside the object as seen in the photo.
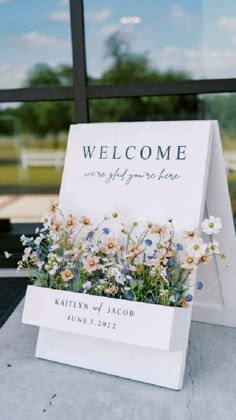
(34, 389)
(25, 208)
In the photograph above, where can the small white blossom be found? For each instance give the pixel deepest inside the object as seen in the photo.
(40, 264)
(7, 254)
(54, 247)
(28, 250)
(46, 220)
(24, 239)
(39, 239)
(212, 225)
(196, 247)
(87, 285)
(53, 271)
(213, 247)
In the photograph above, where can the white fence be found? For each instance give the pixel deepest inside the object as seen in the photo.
(230, 161)
(54, 158)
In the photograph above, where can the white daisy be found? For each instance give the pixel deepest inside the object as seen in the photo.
(213, 247)
(211, 225)
(196, 247)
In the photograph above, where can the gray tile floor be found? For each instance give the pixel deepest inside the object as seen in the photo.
(34, 389)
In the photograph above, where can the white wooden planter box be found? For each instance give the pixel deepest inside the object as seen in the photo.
(133, 340)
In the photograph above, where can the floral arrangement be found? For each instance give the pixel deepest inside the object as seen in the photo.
(149, 263)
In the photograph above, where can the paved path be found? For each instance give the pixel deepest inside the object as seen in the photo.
(25, 208)
(34, 389)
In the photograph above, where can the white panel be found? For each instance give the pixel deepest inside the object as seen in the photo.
(146, 365)
(142, 324)
(215, 303)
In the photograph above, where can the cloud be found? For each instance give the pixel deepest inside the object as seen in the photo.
(12, 76)
(110, 29)
(42, 40)
(181, 16)
(199, 63)
(233, 39)
(227, 22)
(60, 16)
(98, 16)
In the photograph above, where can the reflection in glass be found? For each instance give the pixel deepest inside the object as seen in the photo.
(34, 33)
(160, 40)
(33, 138)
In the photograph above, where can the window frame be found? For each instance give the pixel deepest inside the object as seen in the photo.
(81, 92)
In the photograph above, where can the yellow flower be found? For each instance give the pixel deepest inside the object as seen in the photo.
(91, 263)
(70, 222)
(84, 220)
(134, 250)
(53, 206)
(110, 246)
(67, 275)
(112, 290)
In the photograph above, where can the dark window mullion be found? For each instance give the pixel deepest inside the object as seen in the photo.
(79, 60)
(186, 87)
(36, 94)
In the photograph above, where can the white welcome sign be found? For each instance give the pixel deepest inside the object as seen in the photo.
(150, 171)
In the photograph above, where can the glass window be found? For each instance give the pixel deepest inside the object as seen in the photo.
(222, 107)
(160, 40)
(35, 43)
(33, 138)
(159, 108)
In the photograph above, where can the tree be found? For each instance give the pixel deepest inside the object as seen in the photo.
(127, 67)
(42, 75)
(53, 117)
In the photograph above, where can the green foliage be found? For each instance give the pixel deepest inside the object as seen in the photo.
(41, 118)
(42, 75)
(222, 108)
(46, 117)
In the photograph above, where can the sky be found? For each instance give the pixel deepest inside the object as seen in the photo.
(197, 36)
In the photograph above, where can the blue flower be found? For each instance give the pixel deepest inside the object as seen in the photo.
(188, 298)
(125, 270)
(105, 231)
(179, 247)
(148, 242)
(171, 262)
(67, 256)
(130, 296)
(199, 285)
(177, 296)
(89, 235)
(39, 254)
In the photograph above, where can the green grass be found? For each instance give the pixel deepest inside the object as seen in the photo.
(232, 176)
(36, 176)
(10, 148)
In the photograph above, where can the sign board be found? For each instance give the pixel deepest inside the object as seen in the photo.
(157, 170)
(150, 171)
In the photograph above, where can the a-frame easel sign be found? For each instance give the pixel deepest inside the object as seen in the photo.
(149, 170)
